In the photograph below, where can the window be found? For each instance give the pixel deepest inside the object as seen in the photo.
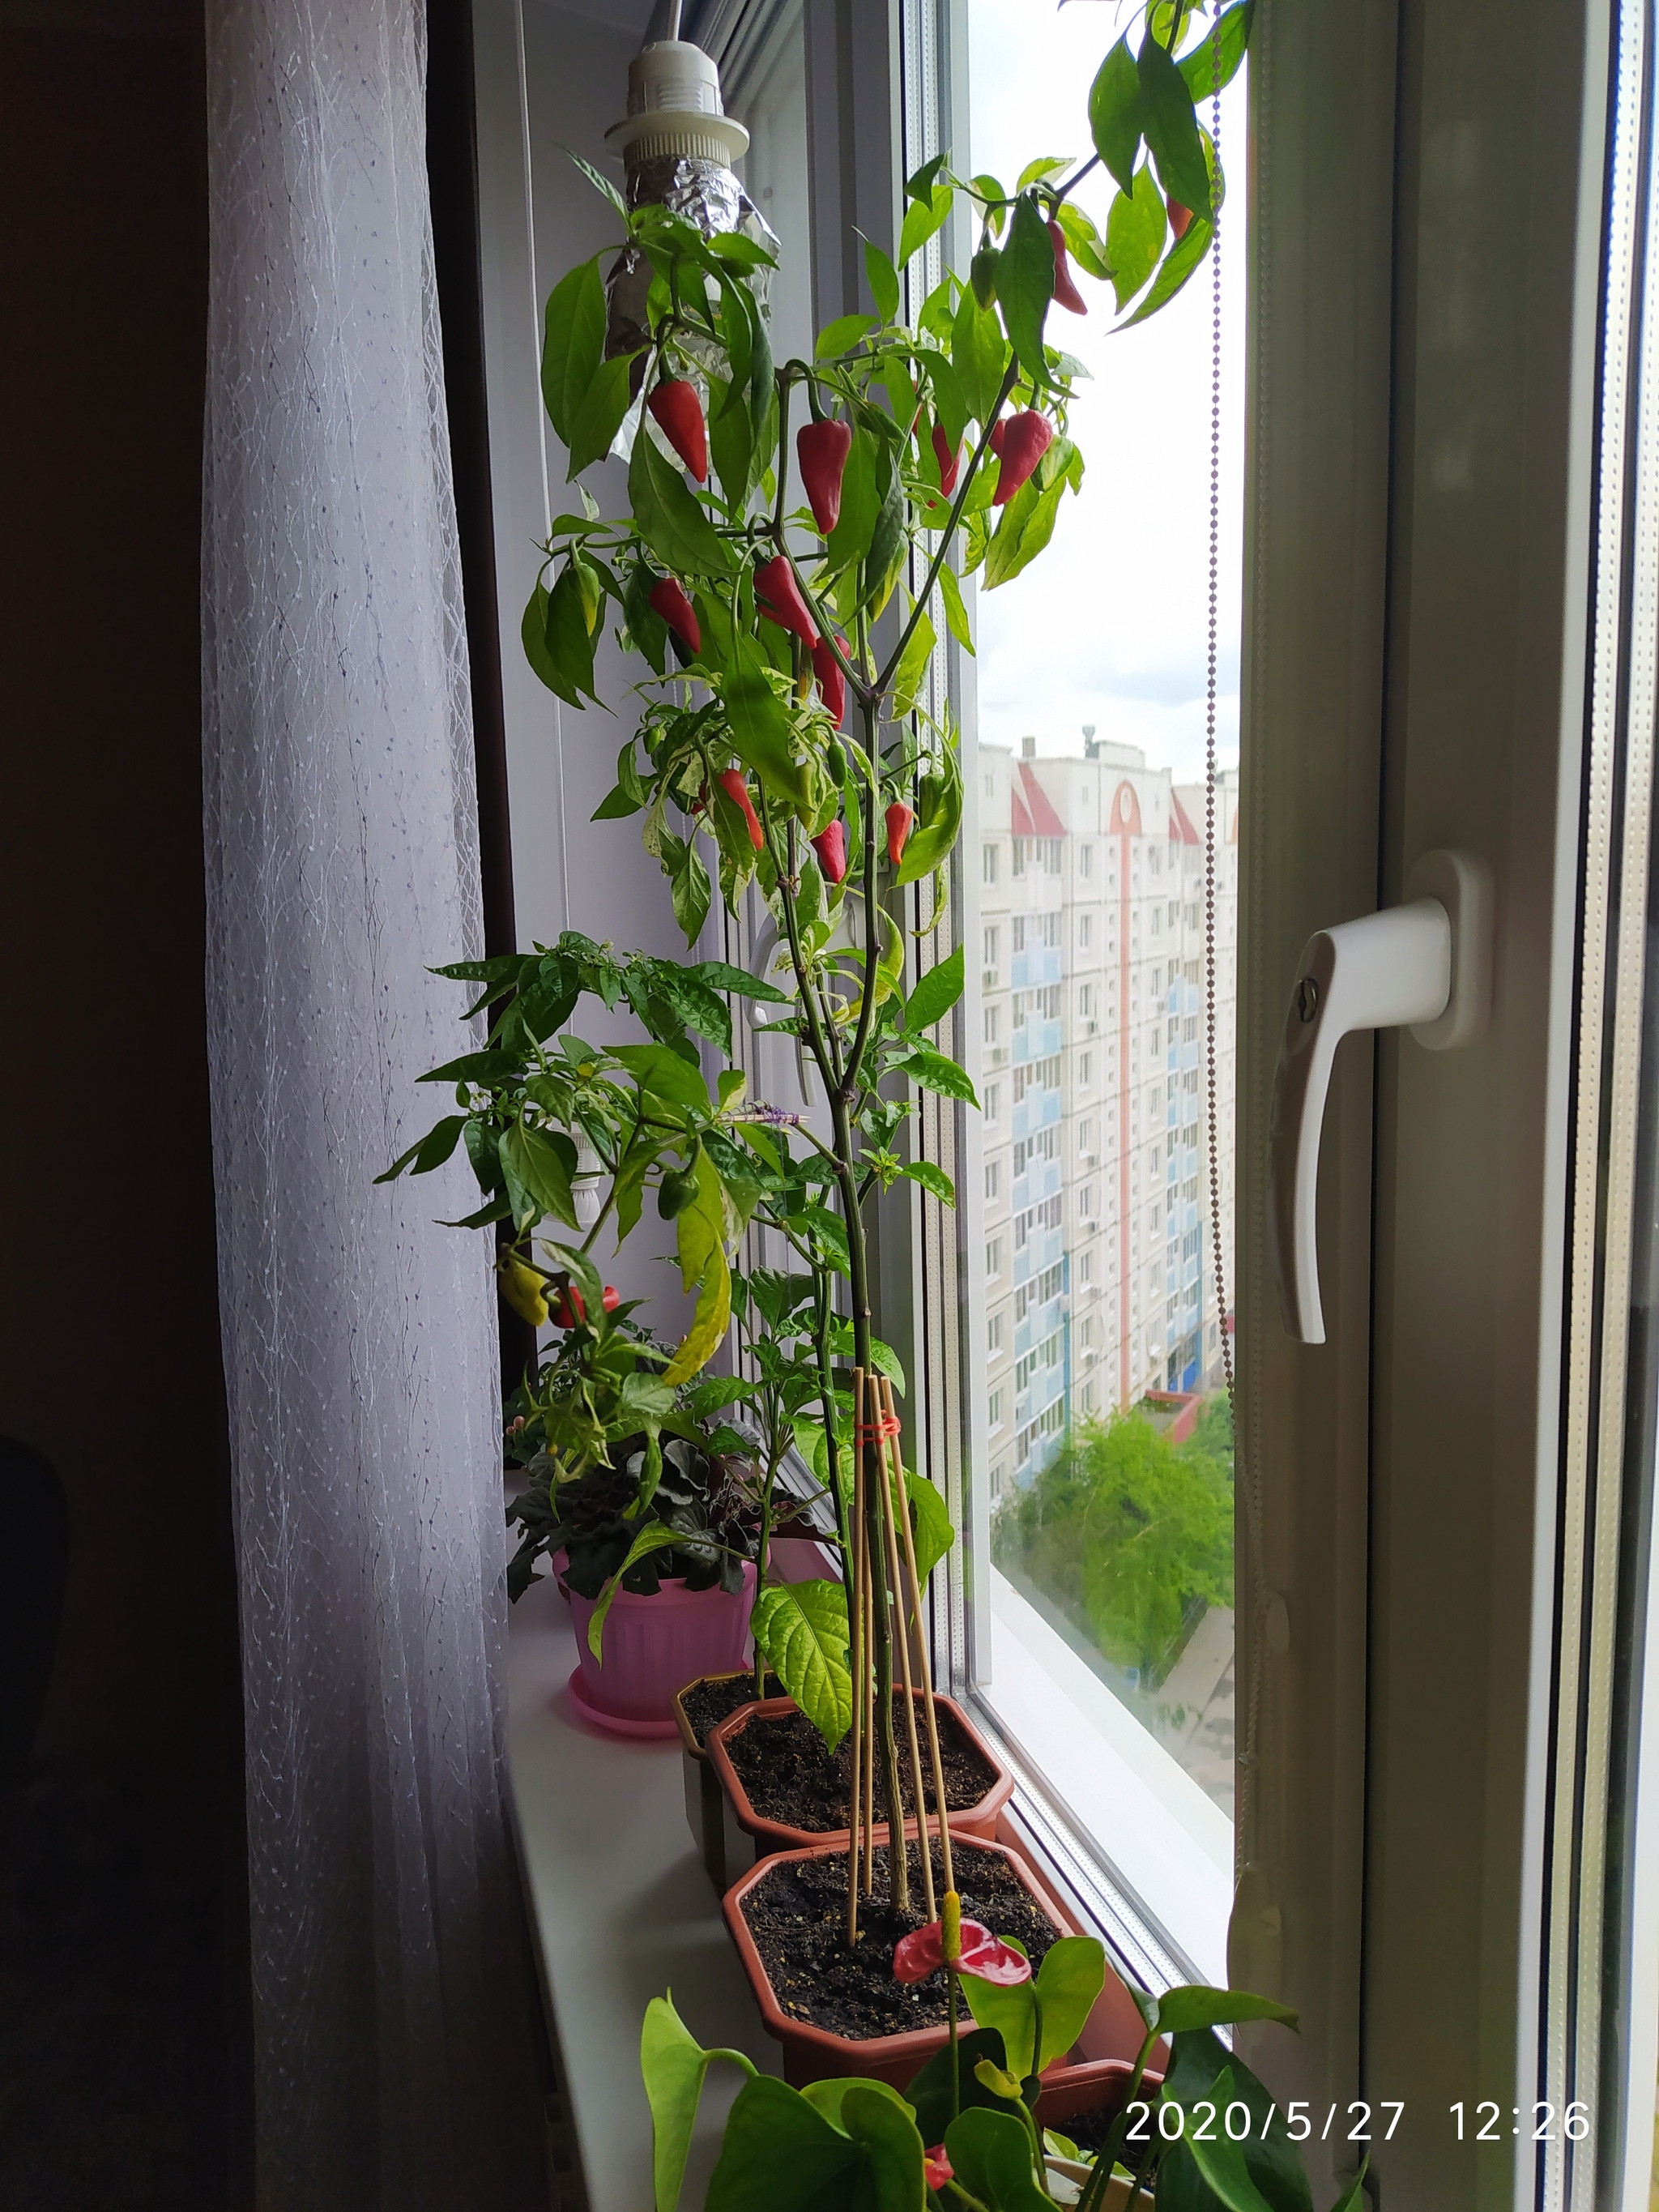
(993, 1179)
(993, 1027)
(1064, 1180)
(993, 1335)
(991, 1102)
(993, 1418)
(992, 940)
(993, 1255)
(988, 864)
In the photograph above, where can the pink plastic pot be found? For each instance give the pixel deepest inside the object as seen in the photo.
(654, 1646)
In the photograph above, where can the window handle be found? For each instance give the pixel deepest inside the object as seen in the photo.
(1425, 965)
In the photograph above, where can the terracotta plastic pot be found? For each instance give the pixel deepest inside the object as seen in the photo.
(1093, 2085)
(814, 2054)
(653, 1647)
(705, 1800)
(749, 1837)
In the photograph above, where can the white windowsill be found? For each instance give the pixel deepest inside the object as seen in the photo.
(1170, 1846)
(621, 1910)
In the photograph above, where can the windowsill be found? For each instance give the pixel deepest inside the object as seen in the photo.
(621, 1910)
(1168, 1844)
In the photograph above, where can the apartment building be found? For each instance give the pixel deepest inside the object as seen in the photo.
(1098, 1258)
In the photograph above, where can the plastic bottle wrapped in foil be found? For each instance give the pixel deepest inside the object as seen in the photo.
(677, 145)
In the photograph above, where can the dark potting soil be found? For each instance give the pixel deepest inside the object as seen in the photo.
(707, 1703)
(797, 1914)
(791, 1777)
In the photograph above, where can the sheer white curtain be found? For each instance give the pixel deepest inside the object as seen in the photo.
(391, 2016)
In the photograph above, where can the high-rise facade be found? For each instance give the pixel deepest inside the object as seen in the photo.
(1100, 1279)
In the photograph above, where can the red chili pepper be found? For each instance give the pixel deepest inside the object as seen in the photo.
(1181, 219)
(668, 597)
(950, 460)
(830, 846)
(732, 782)
(679, 416)
(832, 685)
(999, 432)
(569, 1306)
(1028, 438)
(823, 448)
(1066, 295)
(899, 818)
(780, 600)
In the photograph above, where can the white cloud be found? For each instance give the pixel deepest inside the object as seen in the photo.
(1108, 626)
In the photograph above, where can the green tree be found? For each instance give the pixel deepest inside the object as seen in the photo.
(1127, 1533)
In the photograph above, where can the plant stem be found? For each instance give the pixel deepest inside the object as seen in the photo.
(827, 1402)
(949, 530)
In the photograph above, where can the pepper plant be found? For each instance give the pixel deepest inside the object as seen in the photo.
(789, 746)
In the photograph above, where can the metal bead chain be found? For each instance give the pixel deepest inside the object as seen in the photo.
(1209, 726)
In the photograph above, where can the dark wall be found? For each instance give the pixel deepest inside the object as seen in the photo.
(109, 1342)
(124, 2035)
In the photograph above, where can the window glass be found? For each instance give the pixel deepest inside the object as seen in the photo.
(1110, 1588)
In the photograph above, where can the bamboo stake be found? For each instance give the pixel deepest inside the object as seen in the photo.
(893, 1458)
(855, 1624)
(869, 1729)
(914, 1589)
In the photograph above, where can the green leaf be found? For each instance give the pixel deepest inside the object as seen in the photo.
(1012, 2013)
(652, 1537)
(1086, 245)
(932, 1179)
(860, 503)
(955, 611)
(599, 415)
(934, 1072)
(950, 400)
(658, 1069)
(979, 355)
(1115, 112)
(912, 672)
(1272, 2161)
(701, 1230)
(574, 345)
(536, 1162)
(1171, 129)
(692, 892)
(883, 280)
(732, 441)
(1232, 35)
(433, 1150)
(697, 1004)
(827, 1228)
(1025, 285)
(720, 976)
(921, 219)
(1352, 2198)
(647, 630)
(936, 993)
(887, 540)
(1070, 1980)
(933, 839)
(1179, 265)
(802, 1629)
(929, 2091)
(600, 184)
(1046, 164)
(990, 2154)
(841, 336)
(761, 732)
(533, 632)
(569, 642)
(830, 2097)
(1194, 2006)
(780, 2154)
(1221, 2160)
(932, 1531)
(1027, 525)
(672, 522)
(1135, 230)
(673, 2064)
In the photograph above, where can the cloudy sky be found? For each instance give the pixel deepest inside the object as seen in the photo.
(1108, 626)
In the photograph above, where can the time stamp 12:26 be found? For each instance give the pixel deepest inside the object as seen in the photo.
(1481, 2122)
